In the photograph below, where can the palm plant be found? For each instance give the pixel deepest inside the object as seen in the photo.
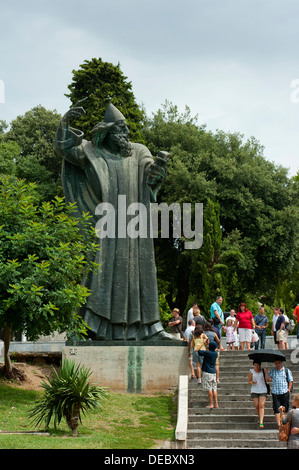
(67, 394)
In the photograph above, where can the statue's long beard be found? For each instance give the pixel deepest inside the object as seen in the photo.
(123, 143)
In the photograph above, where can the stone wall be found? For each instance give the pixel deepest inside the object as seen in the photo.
(133, 368)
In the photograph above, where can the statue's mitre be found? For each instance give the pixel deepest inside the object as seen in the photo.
(112, 114)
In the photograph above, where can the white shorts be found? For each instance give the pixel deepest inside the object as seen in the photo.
(245, 335)
(280, 335)
(209, 382)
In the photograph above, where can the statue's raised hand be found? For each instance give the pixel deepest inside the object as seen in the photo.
(76, 111)
(157, 170)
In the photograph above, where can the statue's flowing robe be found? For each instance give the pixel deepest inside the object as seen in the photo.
(124, 289)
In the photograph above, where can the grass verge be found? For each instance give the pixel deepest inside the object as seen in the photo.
(126, 422)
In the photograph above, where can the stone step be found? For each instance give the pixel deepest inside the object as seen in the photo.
(223, 389)
(248, 435)
(243, 371)
(243, 368)
(243, 362)
(286, 352)
(235, 423)
(225, 395)
(236, 400)
(228, 418)
(236, 443)
(233, 405)
(202, 411)
(242, 377)
(224, 385)
(239, 425)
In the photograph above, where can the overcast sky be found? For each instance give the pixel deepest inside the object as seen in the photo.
(233, 62)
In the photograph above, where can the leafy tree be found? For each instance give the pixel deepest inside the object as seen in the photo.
(9, 154)
(37, 162)
(165, 312)
(96, 80)
(3, 128)
(43, 258)
(33, 171)
(258, 210)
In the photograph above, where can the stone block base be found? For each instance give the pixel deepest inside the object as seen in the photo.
(132, 367)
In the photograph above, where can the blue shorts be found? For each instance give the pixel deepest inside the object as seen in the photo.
(197, 357)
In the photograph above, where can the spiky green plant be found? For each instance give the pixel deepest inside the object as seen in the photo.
(67, 395)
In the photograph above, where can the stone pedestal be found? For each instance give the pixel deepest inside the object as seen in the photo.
(130, 366)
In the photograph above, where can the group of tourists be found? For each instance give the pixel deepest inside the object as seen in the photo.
(204, 345)
(245, 329)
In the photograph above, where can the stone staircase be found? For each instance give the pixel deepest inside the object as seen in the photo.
(234, 424)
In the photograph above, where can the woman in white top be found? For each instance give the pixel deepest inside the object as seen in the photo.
(258, 390)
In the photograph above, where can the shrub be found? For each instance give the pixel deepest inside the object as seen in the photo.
(67, 395)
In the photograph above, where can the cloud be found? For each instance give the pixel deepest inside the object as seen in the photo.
(231, 62)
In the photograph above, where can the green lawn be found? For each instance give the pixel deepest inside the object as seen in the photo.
(127, 421)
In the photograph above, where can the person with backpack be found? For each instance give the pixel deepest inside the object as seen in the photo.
(282, 383)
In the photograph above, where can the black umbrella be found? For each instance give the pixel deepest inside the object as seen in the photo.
(266, 355)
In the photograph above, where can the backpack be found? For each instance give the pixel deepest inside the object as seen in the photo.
(284, 429)
(290, 326)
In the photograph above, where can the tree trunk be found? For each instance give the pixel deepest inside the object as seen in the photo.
(73, 420)
(7, 362)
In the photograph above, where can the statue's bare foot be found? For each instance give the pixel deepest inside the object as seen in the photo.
(163, 335)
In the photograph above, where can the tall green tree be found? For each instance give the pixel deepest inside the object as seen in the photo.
(37, 162)
(9, 154)
(43, 257)
(3, 128)
(96, 80)
(258, 210)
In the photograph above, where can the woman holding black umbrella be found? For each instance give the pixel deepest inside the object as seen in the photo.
(258, 390)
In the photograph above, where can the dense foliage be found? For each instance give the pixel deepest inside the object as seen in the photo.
(27, 151)
(98, 80)
(251, 215)
(43, 258)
